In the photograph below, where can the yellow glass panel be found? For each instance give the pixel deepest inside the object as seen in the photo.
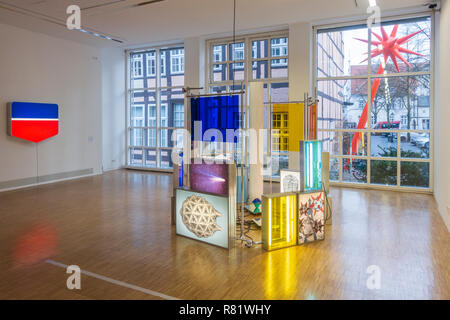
(279, 221)
(288, 124)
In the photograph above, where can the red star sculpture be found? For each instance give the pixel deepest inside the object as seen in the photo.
(389, 47)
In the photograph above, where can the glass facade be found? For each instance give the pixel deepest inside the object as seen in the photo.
(255, 58)
(374, 117)
(156, 106)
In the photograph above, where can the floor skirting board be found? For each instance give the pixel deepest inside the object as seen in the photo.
(45, 179)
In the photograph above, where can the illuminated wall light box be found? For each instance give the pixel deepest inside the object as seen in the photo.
(311, 217)
(33, 122)
(206, 217)
(279, 221)
(310, 166)
(289, 181)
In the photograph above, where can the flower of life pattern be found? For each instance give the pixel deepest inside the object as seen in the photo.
(199, 216)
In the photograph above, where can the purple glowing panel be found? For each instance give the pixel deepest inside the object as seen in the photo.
(212, 178)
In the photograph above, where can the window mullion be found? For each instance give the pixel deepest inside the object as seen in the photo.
(369, 104)
(399, 156)
(158, 106)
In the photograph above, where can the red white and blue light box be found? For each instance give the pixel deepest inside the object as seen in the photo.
(33, 122)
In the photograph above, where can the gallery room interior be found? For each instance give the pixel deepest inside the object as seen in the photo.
(224, 150)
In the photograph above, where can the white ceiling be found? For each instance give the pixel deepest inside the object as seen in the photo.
(177, 19)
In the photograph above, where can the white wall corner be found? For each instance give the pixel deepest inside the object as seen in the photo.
(442, 112)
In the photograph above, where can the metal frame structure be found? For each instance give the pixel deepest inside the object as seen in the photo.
(248, 70)
(158, 90)
(369, 77)
(243, 110)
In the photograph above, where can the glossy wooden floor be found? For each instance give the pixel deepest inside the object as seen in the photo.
(118, 226)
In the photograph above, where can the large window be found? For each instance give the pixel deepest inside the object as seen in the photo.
(156, 106)
(264, 58)
(375, 115)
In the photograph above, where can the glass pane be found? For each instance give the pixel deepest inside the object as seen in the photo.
(342, 103)
(170, 138)
(415, 174)
(237, 88)
(354, 170)
(177, 138)
(150, 69)
(279, 68)
(330, 141)
(172, 67)
(137, 70)
(151, 137)
(178, 114)
(340, 53)
(334, 169)
(171, 113)
(279, 92)
(150, 158)
(414, 53)
(218, 89)
(260, 69)
(383, 144)
(415, 145)
(279, 47)
(354, 143)
(135, 156)
(383, 172)
(260, 49)
(166, 158)
(151, 115)
(136, 137)
(137, 108)
(219, 72)
(165, 138)
(237, 51)
(219, 53)
(237, 71)
(266, 94)
(141, 108)
(280, 161)
(401, 103)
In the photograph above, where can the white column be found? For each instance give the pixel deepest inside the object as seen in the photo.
(256, 181)
(300, 66)
(194, 62)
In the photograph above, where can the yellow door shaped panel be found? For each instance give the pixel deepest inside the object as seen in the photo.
(287, 126)
(279, 220)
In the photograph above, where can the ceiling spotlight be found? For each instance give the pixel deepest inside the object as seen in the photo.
(101, 36)
(147, 3)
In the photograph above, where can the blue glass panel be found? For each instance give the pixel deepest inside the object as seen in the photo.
(221, 113)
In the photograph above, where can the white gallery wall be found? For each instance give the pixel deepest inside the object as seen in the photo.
(38, 68)
(442, 114)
